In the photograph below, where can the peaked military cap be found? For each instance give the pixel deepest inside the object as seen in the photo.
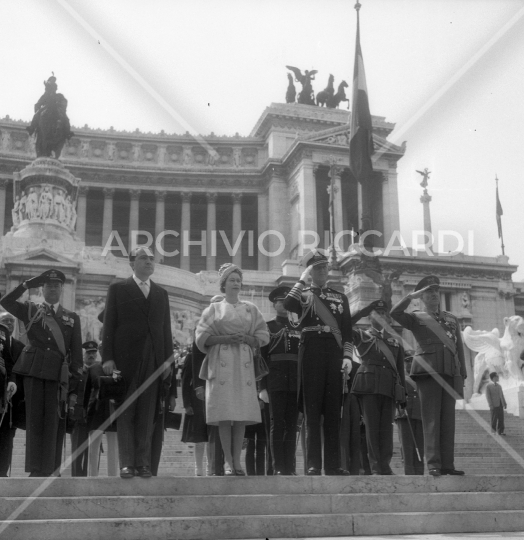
(278, 294)
(314, 258)
(427, 281)
(380, 304)
(90, 346)
(53, 275)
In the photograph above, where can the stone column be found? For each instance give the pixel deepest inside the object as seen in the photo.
(211, 229)
(3, 184)
(237, 227)
(81, 211)
(262, 199)
(393, 206)
(134, 197)
(337, 204)
(278, 209)
(185, 229)
(160, 218)
(425, 200)
(107, 223)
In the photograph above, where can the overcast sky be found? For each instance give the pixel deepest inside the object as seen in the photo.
(449, 73)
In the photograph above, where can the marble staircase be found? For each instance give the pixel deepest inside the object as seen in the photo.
(257, 507)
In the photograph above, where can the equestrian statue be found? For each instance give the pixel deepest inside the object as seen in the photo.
(50, 123)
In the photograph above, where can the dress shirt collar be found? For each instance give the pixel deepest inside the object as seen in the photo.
(54, 306)
(138, 281)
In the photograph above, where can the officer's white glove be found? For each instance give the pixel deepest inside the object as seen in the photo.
(11, 389)
(263, 395)
(346, 364)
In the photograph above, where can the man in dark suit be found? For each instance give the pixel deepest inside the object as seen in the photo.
(325, 350)
(439, 369)
(16, 407)
(50, 367)
(137, 341)
(279, 387)
(375, 384)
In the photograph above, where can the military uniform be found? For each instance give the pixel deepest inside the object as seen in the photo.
(281, 355)
(6, 376)
(412, 464)
(322, 349)
(42, 365)
(374, 384)
(439, 357)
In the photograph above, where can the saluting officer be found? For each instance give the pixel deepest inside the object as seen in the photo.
(325, 351)
(438, 369)
(53, 356)
(379, 383)
(280, 385)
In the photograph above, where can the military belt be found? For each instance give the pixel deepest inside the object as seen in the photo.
(283, 356)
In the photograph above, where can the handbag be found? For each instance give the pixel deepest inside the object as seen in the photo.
(173, 420)
(110, 387)
(261, 369)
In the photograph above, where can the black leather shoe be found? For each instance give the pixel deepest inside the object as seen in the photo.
(434, 472)
(312, 471)
(143, 472)
(452, 472)
(127, 472)
(336, 472)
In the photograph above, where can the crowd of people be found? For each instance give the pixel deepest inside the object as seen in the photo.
(310, 376)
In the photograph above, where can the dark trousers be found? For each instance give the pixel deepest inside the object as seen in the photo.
(215, 452)
(7, 435)
(157, 441)
(412, 465)
(438, 420)
(497, 419)
(135, 426)
(79, 436)
(266, 420)
(43, 437)
(350, 435)
(322, 395)
(283, 409)
(378, 412)
(256, 450)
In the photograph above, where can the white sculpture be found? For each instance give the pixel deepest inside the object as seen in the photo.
(495, 353)
(31, 206)
(22, 209)
(67, 210)
(15, 212)
(59, 201)
(45, 203)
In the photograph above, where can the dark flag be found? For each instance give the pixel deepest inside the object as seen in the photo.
(499, 212)
(361, 141)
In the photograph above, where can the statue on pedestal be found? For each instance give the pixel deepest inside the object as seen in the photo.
(50, 122)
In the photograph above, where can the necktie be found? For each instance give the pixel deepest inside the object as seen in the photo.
(144, 288)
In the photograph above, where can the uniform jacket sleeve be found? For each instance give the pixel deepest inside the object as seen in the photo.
(109, 325)
(10, 303)
(347, 329)
(293, 301)
(398, 312)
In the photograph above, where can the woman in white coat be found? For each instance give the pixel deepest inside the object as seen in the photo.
(228, 332)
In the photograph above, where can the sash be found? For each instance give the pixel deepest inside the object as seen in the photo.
(385, 350)
(436, 329)
(57, 333)
(327, 318)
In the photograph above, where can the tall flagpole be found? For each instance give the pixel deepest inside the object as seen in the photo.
(499, 218)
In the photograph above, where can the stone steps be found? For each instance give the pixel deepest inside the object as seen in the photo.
(257, 507)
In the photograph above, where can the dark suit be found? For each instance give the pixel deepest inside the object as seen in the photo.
(40, 365)
(412, 465)
(375, 386)
(137, 337)
(319, 370)
(437, 404)
(215, 454)
(281, 355)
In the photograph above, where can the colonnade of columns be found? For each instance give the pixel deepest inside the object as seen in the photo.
(185, 221)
